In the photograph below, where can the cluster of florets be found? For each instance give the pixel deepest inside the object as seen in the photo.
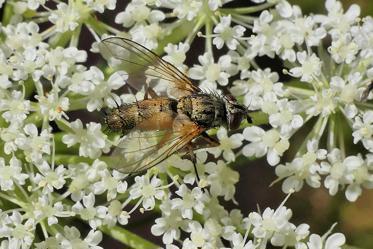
(52, 164)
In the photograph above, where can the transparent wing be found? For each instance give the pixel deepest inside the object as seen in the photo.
(141, 150)
(145, 67)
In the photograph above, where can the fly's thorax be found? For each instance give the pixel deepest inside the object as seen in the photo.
(207, 110)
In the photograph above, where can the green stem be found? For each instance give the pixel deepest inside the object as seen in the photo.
(299, 92)
(12, 199)
(197, 27)
(331, 133)
(128, 238)
(248, 10)
(71, 159)
(208, 41)
(316, 130)
(78, 104)
(7, 15)
(75, 37)
(100, 27)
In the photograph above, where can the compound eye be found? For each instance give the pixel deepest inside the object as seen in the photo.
(235, 121)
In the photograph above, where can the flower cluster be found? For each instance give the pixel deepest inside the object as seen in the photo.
(54, 166)
(327, 91)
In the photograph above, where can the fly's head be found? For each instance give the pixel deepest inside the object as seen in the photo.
(235, 112)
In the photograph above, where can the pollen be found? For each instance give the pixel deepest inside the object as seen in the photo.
(59, 109)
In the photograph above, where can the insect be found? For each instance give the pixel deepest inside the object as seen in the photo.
(366, 92)
(173, 113)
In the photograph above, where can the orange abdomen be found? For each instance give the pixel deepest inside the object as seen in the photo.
(149, 114)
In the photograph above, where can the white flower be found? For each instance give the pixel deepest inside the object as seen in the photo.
(334, 241)
(169, 224)
(14, 107)
(29, 63)
(53, 106)
(263, 142)
(336, 171)
(260, 83)
(291, 235)
(100, 5)
(147, 35)
(62, 62)
(83, 177)
(343, 50)
(70, 238)
(43, 208)
(199, 237)
(190, 200)
(323, 103)
(11, 174)
(9, 135)
(240, 242)
(34, 145)
(92, 141)
(226, 144)
(310, 67)
(23, 35)
(99, 90)
(363, 130)
(347, 92)
(176, 54)
(215, 4)
(286, 118)
(186, 8)
(338, 22)
(20, 230)
(148, 190)
(352, 171)
(34, 4)
(50, 178)
(66, 17)
(210, 72)
(306, 29)
(113, 183)
(357, 176)
(270, 222)
(87, 211)
(304, 168)
(221, 179)
(137, 12)
(116, 214)
(227, 34)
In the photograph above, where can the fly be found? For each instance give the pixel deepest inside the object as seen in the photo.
(172, 114)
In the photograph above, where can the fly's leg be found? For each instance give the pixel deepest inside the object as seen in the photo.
(194, 160)
(366, 92)
(212, 142)
(149, 91)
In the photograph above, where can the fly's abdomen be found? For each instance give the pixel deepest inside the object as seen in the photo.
(150, 114)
